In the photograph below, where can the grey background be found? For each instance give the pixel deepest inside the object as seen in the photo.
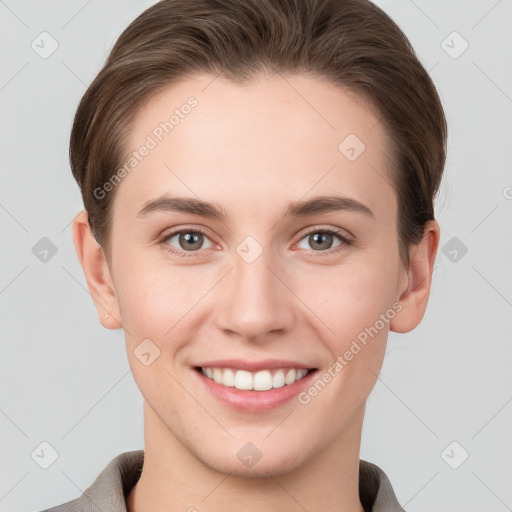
(65, 380)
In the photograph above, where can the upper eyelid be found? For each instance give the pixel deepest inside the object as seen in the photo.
(200, 229)
(336, 231)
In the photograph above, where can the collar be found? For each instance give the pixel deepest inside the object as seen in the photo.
(109, 490)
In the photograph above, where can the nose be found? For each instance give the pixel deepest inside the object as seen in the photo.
(254, 300)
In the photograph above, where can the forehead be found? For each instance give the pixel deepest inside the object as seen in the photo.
(220, 140)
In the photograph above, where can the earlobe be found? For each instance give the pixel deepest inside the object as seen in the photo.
(96, 271)
(414, 295)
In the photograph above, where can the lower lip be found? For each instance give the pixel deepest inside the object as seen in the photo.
(255, 401)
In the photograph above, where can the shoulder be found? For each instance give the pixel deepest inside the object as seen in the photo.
(375, 490)
(108, 492)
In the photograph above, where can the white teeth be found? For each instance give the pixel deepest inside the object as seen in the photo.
(259, 381)
(278, 379)
(301, 373)
(243, 380)
(217, 375)
(262, 381)
(228, 378)
(290, 377)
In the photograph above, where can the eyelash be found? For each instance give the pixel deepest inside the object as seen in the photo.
(345, 241)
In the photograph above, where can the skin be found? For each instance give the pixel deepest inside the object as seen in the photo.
(253, 149)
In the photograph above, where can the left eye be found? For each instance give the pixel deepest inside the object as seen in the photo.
(322, 240)
(189, 240)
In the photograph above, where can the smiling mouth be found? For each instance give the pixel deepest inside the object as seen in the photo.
(262, 380)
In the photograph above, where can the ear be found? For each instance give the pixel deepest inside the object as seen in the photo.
(413, 296)
(97, 273)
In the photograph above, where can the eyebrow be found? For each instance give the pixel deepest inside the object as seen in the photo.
(320, 204)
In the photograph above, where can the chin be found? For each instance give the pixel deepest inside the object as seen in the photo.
(265, 467)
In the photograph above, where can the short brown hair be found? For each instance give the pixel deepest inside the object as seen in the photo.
(351, 43)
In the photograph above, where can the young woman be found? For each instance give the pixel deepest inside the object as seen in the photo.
(258, 179)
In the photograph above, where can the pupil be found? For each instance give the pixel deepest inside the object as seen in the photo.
(319, 238)
(191, 240)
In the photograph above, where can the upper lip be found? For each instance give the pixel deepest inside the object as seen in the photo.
(253, 366)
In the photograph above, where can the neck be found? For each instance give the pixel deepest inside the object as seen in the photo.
(173, 479)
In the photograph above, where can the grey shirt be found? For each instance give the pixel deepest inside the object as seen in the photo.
(109, 491)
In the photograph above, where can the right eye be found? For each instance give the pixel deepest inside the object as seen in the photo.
(186, 242)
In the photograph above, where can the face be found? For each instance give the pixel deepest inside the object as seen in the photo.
(254, 241)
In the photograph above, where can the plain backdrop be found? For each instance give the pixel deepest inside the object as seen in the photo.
(439, 419)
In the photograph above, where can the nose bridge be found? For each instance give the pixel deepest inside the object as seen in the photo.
(255, 301)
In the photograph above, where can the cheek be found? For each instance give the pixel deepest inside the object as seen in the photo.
(350, 299)
(156, 306)
(167, 306)
(357, 310)
(153, 298)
